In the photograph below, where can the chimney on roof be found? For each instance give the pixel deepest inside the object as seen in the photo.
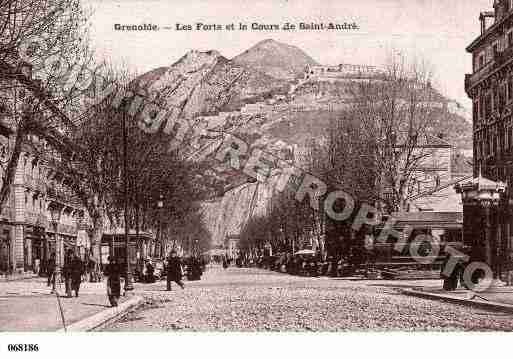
(483, 19)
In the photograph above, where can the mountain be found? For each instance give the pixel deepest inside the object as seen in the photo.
(276, 59)
(202, 83)
(261, 97)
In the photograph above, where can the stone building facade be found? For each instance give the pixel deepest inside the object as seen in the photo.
(490, 86)
(28, 234)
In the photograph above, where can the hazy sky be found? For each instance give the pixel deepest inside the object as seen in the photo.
(435, 30)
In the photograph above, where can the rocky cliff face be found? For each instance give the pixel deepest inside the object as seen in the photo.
(226, 216)
(203, 83)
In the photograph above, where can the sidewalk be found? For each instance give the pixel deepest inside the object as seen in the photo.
(498, 298)
(17, 277)
(27, 305)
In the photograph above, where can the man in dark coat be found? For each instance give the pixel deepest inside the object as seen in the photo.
(51, 266)
(150, 272)
(450, 279)
(77, 270)
(91, 270)
(66, 272)
(174, 270)
(113, 273)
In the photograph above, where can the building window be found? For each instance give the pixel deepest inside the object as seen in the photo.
(475, 111)
(502, 96)
(509, 86)
(481, 61)
(482, 104)
(495, 99)
(488, 105)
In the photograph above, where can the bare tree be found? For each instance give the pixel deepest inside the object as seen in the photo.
(43, 53)
(396, 114)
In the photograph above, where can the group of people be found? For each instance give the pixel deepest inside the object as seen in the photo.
(72, 272)
(74, 269)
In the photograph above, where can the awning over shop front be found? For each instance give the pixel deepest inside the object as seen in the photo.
(119, 233)
(215, 252)
(439, 220)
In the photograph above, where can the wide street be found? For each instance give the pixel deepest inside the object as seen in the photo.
(259, 300)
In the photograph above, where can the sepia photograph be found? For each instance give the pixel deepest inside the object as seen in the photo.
(289, 166)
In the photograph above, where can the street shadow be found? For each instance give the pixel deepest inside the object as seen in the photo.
(97, 305)
(130, 319)
(494, 313)
(395, 286)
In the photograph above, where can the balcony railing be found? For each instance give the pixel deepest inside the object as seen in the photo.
(34, 183)
(36, 218)
(64, 229)
(62, 195)
(499, 58)
(31, 217)
(8, 213)
(479, 75)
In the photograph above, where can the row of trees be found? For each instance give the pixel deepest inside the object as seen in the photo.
(374, 152)
(51, 88)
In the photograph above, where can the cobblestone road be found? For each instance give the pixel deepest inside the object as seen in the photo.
(253, 299)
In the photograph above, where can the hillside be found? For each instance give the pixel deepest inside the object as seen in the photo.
(275, 59)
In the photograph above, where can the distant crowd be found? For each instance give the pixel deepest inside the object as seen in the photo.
(302, 265)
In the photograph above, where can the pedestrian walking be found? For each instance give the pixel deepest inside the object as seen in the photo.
(174, 270)
(37, 266)
(150, 272)
(113, 273)
(50, 270)
(77, 270)
(450, 279)
(66, 272)
(93, 270)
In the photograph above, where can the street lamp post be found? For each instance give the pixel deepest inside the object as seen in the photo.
(160, 205)
(55, 213)
(129, 285)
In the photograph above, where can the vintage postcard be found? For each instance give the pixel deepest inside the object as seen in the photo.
(255, 166)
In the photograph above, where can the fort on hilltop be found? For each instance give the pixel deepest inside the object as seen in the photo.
(342, 71)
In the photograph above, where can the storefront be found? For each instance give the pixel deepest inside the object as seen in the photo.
(5, 249)
(35, 236)
(114, 245)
